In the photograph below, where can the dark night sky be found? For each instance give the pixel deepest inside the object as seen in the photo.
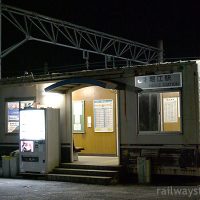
(175, 22)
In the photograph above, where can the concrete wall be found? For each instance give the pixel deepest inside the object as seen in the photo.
(36, 91)
(128, 101)
(12, 92)
(127, 104)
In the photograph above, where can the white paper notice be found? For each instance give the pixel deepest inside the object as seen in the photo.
(170, 110)
(78, 108)
(103, 115)
(77, 127)
(89, 122)
(77, 119)
(178, 104)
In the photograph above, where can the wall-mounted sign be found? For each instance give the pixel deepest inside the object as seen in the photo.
(103, 115)
(78, 116)
(13, 116)
(159, 81)
(89, 122)
(170, 109)
(13, 111)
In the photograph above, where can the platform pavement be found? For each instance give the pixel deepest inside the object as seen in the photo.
(20, 189)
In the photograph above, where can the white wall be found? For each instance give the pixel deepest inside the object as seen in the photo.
(54, 100)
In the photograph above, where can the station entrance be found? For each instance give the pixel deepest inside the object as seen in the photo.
(92, 120)
(95, 126)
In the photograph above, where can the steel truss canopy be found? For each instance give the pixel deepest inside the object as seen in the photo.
(53, 31)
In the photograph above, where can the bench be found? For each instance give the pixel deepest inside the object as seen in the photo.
(76, 150)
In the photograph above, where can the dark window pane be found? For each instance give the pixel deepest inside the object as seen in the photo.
(148, 112)
(153, 114)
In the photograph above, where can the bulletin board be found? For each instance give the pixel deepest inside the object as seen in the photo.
(103, 115)
(170, 109)
(78, 116)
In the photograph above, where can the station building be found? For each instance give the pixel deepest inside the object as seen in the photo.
(149, 111)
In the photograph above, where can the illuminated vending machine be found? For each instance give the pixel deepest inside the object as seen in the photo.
(39, 140)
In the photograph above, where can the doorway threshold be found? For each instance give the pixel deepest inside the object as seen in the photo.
(98, 160)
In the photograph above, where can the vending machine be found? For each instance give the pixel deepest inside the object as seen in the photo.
(39, 140)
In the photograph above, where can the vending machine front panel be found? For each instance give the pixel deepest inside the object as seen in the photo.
(32, 156)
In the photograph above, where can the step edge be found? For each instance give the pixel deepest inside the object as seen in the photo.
(80, 176)
(86, 170)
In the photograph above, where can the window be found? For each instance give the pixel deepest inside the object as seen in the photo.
(159, 112)
(148, 112)
(12, 109)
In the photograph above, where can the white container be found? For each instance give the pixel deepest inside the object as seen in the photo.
(14, 166)
(6, 166)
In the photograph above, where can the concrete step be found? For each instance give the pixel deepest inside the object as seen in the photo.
(102, 180)
(94, 172)
(70, 172)
(97, 167)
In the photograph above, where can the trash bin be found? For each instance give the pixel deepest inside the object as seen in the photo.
(5, 166)
(14, 163)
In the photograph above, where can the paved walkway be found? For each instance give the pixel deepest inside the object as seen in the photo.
(18, 189)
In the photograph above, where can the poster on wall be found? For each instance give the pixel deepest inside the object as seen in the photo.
(103, 115)
(170, 110)
(78, 116)
(13, 127)
(13, 110)
(13, 116)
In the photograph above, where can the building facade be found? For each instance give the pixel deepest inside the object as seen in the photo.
(147, 111)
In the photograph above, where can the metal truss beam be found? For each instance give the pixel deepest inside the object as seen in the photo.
(49, 30)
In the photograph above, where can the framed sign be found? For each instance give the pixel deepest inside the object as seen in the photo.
(173, 80)
(103, 115)
(13, 117)
(78, 116)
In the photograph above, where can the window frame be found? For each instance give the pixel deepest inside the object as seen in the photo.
(7, 100)
(160, 132)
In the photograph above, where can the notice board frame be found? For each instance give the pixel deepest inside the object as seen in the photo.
(78, 116)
